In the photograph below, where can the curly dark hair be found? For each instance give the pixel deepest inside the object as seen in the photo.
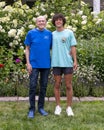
(58, 16)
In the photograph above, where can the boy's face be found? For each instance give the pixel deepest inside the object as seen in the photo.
(59, 22)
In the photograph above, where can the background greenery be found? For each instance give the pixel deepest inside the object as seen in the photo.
(88, 28)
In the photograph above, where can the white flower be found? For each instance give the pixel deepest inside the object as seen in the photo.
(74, 29)
(84, 27)
(48, 26)
(25, 7)
(15, 42)
(69, 27)
(15, 23)
(12, 33)
(52, 14)
(96, 16)
(83, 3)
(49, 20)
(2, 4)
(34, 19)
(21, 11)
(93, 13)
(31, 26)
(19, 39)
(5, 19)
(84, 22)
(66, 17)
(84, 17)
(11, 44)
(42, 5)
(24, 51)
(3, 30)
(16, 37)
(37, 13)
(8, 9)
(46, 16)
(22, 28)
(63, 8)
(1, 27)
(21, 47)
(74, 21)
(80, 13)
(20, 32)
(72, 14)
(43, 9)
(98, 21)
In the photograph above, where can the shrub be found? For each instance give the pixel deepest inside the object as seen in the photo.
(90, 59)
(98, 91)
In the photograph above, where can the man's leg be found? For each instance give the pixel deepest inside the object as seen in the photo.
(43, 86)
(32, 89)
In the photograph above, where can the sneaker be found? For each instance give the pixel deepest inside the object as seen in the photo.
(57, 110)
(31, 114)
(69, 111)
(42, 112)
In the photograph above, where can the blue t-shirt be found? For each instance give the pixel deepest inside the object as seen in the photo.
(62, 42)
(40, 43)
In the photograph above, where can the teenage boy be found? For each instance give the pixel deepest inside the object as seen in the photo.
(64, 61)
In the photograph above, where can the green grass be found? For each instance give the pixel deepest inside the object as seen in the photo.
(88, 116)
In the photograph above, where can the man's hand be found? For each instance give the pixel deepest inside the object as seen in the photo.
(29, 68)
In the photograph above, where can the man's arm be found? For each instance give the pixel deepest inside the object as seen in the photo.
(27, 53)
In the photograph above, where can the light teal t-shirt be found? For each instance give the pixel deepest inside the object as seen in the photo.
(62, 42)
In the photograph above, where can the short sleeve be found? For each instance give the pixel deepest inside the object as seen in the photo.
(27, 40)
(72, 39)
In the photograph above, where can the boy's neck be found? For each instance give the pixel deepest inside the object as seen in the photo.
(60, 29)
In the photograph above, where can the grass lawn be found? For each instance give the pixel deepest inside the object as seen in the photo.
(88, 116)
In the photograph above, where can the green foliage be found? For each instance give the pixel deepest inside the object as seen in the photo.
(50, 90)
(80, 89)
(13, 88)
(90, 59)
(6, 89)
(98, 91)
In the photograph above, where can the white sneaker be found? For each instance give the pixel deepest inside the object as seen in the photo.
(57, 110)
(69, 111)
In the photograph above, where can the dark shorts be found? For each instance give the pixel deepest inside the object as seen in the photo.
(62, 70)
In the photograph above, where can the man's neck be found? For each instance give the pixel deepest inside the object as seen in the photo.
(41, 29)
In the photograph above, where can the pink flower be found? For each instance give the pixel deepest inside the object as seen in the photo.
(18, 60)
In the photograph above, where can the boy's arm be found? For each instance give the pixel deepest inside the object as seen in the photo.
(73, 53)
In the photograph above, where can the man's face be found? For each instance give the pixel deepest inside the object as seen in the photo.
(59, 23)
(41, 22)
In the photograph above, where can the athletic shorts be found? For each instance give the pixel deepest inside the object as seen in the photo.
(62, 70)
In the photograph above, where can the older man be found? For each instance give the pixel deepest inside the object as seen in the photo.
(38, 44)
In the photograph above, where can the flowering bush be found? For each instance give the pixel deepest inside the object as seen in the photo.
(16, 20)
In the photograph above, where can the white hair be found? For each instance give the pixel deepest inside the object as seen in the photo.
(41, 17)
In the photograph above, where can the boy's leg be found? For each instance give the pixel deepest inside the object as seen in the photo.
(57, 84)
(69, 93)
(69, 89)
